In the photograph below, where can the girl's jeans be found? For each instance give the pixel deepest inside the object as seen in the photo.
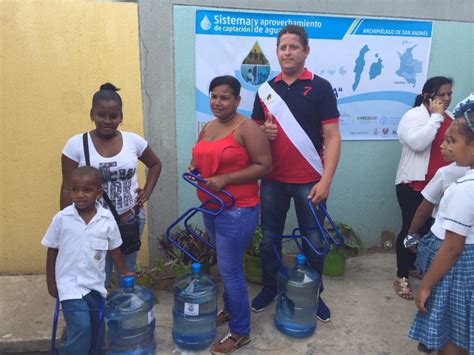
(129, 259)
(231, 230)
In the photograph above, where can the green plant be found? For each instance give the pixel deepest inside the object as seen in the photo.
(352, 242)
(193, 245)
(143, 276)
(159, 267)
(254, 245)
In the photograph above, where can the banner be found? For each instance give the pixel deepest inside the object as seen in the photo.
(376, 66)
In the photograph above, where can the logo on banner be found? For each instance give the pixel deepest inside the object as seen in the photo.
(206, 24)
(255, 68)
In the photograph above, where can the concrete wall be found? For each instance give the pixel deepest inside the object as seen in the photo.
(54, 56)
(363, 191)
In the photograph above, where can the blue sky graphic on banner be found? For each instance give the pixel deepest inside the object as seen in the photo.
(376, 66)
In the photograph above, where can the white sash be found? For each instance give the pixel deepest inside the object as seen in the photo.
(290, 126)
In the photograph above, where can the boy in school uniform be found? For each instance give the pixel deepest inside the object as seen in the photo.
(78, 239)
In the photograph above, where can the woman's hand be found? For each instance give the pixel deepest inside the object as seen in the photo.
(190, 167)
(421, 297)
(436, 106)
(142, 196)
(216, 183)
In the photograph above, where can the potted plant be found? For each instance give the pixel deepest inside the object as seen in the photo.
(335, 260)
(179, 262)
(252, 262)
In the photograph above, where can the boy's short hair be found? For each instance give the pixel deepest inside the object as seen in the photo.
(88, 171)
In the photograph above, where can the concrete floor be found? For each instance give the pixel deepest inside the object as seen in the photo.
(367, 316)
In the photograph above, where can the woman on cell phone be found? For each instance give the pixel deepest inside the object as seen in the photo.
(421, 132)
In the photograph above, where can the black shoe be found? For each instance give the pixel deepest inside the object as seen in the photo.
(263, 299)
(424, 349)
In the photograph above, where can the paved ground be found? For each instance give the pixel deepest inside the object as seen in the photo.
(368, 317)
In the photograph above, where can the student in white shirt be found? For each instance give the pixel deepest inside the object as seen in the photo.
(433, 192)
(444, 321)
(78, 239)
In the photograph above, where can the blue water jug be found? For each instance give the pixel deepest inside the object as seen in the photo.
(130, 320)
(194, 310)
(297, 299)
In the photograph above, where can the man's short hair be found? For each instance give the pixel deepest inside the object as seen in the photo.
(294, 30)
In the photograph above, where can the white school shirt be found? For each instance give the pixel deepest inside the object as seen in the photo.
(119, 172)
(456, 209)
(444, 177)
(80, 265)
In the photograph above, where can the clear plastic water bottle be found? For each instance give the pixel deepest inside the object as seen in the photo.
(194, 310)
(297, 300)
(130, 320)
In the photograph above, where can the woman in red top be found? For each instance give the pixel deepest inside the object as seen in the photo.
(421, 131)
(232, 152)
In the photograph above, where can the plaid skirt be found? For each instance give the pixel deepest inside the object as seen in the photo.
(451, 303)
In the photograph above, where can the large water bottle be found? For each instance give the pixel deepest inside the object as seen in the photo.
(297, 302)
(130, 320)
(194, 311)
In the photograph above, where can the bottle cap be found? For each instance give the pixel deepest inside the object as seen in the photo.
(300, 259)
(128, 281)
(196, 268)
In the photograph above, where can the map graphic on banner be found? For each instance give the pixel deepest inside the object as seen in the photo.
(376, 66)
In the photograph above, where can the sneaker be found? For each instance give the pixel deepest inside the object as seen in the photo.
(263, 299)
(323, 313)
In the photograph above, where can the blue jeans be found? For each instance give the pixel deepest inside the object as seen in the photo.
(231, 230)
(276, 197)
(129, 259)
(82, 326)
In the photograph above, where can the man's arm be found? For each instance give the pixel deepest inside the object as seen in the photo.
(332, 151)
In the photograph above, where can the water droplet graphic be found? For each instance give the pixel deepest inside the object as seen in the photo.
(205, 23)
(255, 68)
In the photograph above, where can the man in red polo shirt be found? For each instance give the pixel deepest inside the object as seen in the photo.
(298, 111)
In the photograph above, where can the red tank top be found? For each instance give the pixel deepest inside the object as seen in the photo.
(225, 156)
(436, 159)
